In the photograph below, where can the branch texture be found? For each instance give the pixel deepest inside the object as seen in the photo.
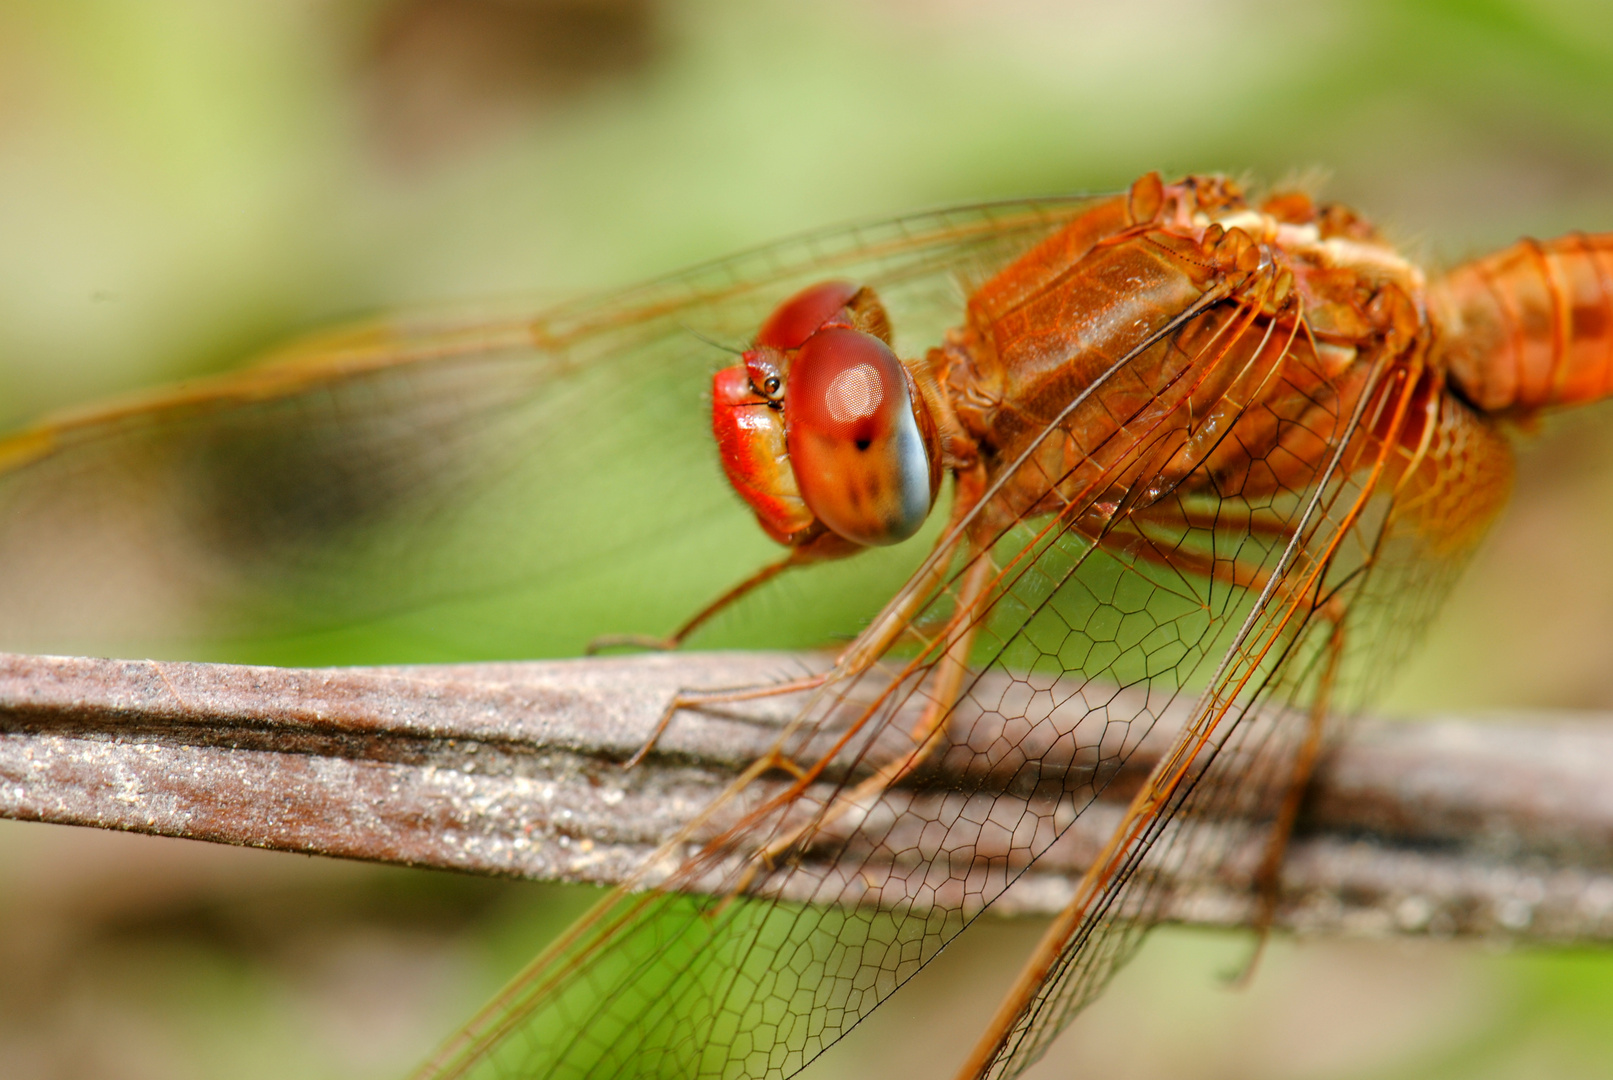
(1448, 827)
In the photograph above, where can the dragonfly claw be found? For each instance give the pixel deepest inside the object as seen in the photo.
(671, 709)
(630, 641)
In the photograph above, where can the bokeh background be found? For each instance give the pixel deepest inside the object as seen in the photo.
(184, 182)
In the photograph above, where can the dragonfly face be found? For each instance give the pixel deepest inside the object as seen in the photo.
(822, 430)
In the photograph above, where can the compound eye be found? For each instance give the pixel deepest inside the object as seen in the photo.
(804, 314)
(855, 441)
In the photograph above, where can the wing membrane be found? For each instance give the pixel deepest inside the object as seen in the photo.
(1159, 579)
(461, 470)
(438, 485)
(1393, 520)
(1089, 633)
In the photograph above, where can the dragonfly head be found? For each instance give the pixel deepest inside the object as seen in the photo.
(823, 428)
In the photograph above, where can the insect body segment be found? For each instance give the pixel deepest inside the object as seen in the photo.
(1530, 326)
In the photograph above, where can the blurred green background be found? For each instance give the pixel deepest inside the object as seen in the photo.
(183, 183)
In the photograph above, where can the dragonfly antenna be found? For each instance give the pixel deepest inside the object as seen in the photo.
(697, 335)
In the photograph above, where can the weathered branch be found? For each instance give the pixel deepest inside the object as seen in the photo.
(1442, 827)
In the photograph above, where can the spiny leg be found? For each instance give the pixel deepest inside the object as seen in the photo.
(857, 657)
(1131, 540)
(1268, 877)
(686, 699)
(928, 732)
(683, 699)
(853, 661)
(701, 617)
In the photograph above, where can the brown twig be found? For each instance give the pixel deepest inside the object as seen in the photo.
(1499, 829)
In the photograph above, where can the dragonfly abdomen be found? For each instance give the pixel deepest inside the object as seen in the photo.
(1531, 325)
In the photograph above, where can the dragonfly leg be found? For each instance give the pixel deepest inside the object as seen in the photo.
(928, 732)
(688, 699)
(678, 636)
(857, 657)
(1268, 876)
(1244, 575)
(1227, 571)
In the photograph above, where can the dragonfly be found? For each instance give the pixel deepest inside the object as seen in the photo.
(1172, 456)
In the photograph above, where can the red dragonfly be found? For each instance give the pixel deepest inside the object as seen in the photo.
(1209, 458)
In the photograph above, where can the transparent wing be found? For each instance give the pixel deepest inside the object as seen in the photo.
(444, 486)
(1161, 575)
(1390, 522)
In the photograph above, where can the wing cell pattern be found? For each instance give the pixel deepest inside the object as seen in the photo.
(451, 472)
(1242, 572)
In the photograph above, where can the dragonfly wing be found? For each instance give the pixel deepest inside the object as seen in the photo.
(1088, 636)
(433, 485)
(1388, 523)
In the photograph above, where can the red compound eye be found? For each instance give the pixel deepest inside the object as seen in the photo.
(855, 440)
(803, 314)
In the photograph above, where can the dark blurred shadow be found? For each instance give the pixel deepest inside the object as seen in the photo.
(445, 75)
(104, 934)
